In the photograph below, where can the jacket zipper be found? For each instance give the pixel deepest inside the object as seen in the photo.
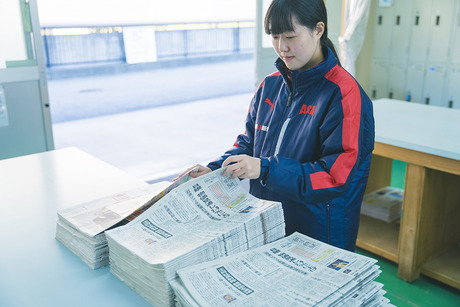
(289, 99)
(283, 128)
(328, 213)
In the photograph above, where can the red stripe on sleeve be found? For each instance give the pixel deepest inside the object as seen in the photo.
(236, 142)
(351, 105)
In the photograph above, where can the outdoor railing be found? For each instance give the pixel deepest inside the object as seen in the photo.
(68, 46)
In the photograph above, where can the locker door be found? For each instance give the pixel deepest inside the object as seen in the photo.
(383, 32)
(401, 30)
(420, 30)
(397, 80)
(434, 84)
(456, 36)
(379, 79)
(441, 21)
(415, 81)
(453, 93)
(25, 123)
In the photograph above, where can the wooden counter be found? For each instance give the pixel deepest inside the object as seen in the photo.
(426, 240)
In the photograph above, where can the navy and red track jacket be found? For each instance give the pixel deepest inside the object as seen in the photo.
(314, 133)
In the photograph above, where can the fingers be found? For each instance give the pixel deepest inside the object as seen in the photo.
(202, 170)
(230, 170)
(242, 166)
(184, 172)
(194, 171)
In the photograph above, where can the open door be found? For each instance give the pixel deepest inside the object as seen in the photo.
(25, 123)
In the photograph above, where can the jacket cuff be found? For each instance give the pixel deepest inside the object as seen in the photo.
(264, 168)
(213, 166)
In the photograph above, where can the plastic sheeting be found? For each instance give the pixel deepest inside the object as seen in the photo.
(355, 22)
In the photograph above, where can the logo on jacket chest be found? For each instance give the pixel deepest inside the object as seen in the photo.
(270, 103)
(310, 110)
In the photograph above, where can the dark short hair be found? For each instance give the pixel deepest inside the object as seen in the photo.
(307, 12)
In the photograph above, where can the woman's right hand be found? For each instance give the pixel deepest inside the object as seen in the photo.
(195, 171)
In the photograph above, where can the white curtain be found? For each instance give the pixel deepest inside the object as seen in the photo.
(355, 22)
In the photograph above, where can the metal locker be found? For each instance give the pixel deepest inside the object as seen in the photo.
(453, 92)
(441, 22)
(435, 82)
(420, 29)
(397, 80)
(382, 32)
(456, 36)
(401, 30)
(379, 79)
(415, 81)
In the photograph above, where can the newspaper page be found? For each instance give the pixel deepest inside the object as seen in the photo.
(96, 216)
(383, 204)
(195, 213)
(293, 270)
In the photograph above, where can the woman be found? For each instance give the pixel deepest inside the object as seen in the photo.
(309, 132)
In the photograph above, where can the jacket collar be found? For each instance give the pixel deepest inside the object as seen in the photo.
(307, 78)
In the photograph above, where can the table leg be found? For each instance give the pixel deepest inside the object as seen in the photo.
(410, 222)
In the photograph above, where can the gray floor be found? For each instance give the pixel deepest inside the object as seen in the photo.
(154, 124)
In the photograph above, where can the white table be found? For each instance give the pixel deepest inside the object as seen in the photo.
(424, 128)
(427, 239)
(36, 269)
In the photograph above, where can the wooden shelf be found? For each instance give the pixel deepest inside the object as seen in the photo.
(427, 239)
(379, 237)
(445, 268)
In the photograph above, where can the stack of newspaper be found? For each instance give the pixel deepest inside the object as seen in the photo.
(81, 228)
(203, 219)
(293, 271)
(383, 204)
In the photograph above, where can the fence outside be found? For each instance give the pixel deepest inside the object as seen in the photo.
(70, 46)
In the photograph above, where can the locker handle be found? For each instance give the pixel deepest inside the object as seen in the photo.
(427, 100)
(438, 19)
(374, 93)
(380, 19)
(417, 20)
(398, 19)
(390, 95)
(451, 103)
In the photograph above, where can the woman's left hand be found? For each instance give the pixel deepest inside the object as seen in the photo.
(243, 166)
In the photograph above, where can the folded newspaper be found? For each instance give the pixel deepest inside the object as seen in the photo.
(81, 228)
(383, 204)
(293, 271)
(201, 220)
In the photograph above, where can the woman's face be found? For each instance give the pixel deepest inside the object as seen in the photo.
(301, 48)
